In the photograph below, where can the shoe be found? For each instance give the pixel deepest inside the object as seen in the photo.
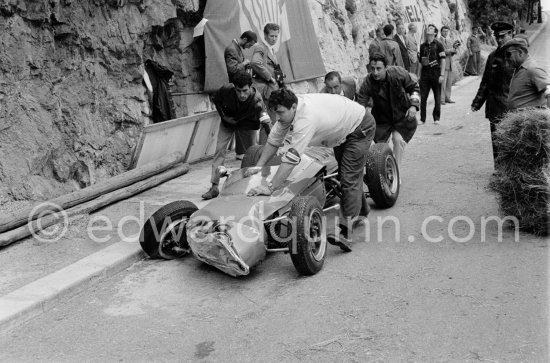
(421, 122)
(436, 122)
(239, 156)
(212, 193)
(339, 241)
(443, 103)
(450, 101)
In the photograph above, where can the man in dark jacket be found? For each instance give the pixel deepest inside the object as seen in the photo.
(495, 83)
(395, 101)
(241, 108)
(236, 62)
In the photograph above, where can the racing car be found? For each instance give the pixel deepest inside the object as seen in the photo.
(234, 232)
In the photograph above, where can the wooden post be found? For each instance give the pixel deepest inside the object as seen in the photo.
(90, 206)
(91, 192)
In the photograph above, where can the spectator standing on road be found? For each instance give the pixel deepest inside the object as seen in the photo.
(530, 85)
(336, 85)
(473, 67)
(235, 62)
(241, 108)
(432, 68)
(400, 39)
(495, 83)
(374, 46)
(412, 49)
(329, 121)
(395, 101)
(450, 50)
(390, 48)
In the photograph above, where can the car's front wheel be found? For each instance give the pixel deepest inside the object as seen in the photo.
(164, 234)
(308, 247)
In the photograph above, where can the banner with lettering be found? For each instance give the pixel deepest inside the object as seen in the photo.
(297, 48)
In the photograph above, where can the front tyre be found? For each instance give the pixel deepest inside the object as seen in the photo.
(164, 234)
(382, 175)
(309, 245)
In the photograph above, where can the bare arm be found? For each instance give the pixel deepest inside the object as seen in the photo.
(267, 153)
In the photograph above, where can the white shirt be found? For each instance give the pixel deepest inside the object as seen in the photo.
(271, 49)
(320, 120)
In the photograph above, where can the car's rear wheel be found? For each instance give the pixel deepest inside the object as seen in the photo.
(382, 175)
(309, 246)
(164, 234)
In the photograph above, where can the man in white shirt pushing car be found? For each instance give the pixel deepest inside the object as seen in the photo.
(329, 121)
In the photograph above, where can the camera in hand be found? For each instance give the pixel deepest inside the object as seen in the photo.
(279, 75)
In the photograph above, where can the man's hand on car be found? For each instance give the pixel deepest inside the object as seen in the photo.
(259, 190)
(251, 171)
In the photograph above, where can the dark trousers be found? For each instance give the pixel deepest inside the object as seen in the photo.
(351, 157)
(429, 80)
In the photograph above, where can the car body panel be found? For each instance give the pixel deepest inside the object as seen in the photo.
(241, 243)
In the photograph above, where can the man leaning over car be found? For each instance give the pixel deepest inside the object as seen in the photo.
(322, 120)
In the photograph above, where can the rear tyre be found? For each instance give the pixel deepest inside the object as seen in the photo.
(164, 234)
(382, 175)
(309, 248)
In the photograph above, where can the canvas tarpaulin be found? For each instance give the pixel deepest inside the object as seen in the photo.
(298, 47)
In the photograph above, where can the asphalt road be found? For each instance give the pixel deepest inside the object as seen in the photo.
(397, 297)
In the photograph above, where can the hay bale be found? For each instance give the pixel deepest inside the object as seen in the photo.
(522, 177)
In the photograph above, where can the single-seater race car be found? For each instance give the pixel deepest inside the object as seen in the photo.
(234, 232)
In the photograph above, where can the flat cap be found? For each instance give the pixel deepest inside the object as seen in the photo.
(516, 43)
(501, 27)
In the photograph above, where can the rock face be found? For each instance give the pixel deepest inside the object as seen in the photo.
(72, 102)
(346, 27)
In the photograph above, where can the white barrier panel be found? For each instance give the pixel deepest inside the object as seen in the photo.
(195, 136)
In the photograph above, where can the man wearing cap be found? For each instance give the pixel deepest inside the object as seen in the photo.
(530, 85)
(432, 73)
(395, 98)
(236, 62)
(495, 83)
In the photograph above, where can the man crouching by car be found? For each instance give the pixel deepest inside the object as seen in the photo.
(241, 110)
(330, 121)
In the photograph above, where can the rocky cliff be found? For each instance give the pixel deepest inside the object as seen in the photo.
(72, 102)
(346, 27)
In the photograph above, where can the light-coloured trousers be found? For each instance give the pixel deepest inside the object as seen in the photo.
(248, 138)
(447, 86)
